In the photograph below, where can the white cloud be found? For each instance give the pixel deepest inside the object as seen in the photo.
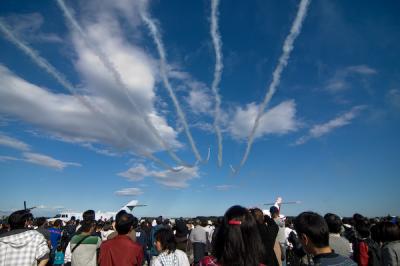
(129, 192)
(204, 126)
(199, 98)
(224, 187)
(341, 79)
(322, 129)
(280, 119)
(8, 158)
(200, 102)
(13, 143)
(67, 118)
(114, 127)
(166, 178)
(136, 173)
(28, 26)
(393, 97)
(44, 160)
(45, 207)
(362, 69)
(40, 159)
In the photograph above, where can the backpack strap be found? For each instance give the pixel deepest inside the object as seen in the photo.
(79, 242)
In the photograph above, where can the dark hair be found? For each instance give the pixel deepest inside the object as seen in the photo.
(159, 220)
(203, 222)
(273, 210)
(167, 239)
(238, 241)
(86, 225)
(181, 229)
(107, 226)
(57, 223)
(18, 219)
(358, 217)
(314, 227)
(89, 215)
(376, 232)
(390, 232)
(362, 227)
(135, 223)
(258, 215)
(123, 222)
(334, 223)
(40, 221)
(288, 222)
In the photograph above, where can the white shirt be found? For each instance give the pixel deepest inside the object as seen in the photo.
(177, 258)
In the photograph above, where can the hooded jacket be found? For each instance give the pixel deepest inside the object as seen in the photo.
(22, 247)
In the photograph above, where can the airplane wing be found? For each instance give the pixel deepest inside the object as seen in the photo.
(285, 202)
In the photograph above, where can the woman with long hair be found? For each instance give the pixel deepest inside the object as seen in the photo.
(237, 241)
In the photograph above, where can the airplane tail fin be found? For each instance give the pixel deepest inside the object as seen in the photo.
(131, 205)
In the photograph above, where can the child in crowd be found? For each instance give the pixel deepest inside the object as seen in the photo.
(59, 256)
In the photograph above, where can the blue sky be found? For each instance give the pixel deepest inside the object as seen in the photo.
(82, 136)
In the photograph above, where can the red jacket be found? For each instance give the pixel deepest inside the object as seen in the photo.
(363, 257)
(121, 251)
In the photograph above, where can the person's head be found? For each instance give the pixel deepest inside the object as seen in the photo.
(197, 222)
(258, 215)
(312, 230)
(135, 223)
(274, 211)
(123, 222)
(89, 215)
(73, 218)
(363, 228)
(88, 226)
(159, 220)
(99, 225)
(238, 240)
(289, 222)
(390, 232)
(166, 222)
(165, 240)
(180, 227)
(376, 232)
(334, 223)
(19, 219)
(57, 223)
(41, 221)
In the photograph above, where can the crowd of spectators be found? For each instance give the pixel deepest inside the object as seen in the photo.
(241, 237)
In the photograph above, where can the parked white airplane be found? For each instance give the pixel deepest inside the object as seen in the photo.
(278, 203)
(99, 215)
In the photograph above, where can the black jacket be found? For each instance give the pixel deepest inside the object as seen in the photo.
(268, 235)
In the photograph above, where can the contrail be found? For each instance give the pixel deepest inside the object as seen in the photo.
(163, 68)
(117, 77)
(276, 76)
(42, 63)
(216, 38)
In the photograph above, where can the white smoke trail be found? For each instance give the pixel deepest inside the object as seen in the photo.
(42, 63)
(216, 38)
(276, 76)
(163, 68)
(117, 77)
